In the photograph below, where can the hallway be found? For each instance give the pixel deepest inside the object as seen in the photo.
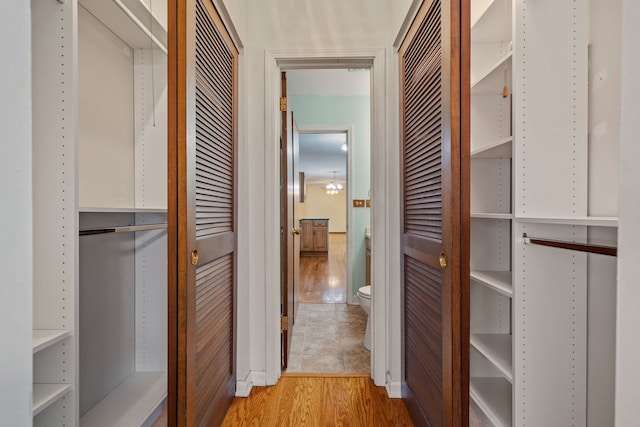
(327, 333)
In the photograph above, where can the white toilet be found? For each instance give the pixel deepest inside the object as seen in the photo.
(364, 299)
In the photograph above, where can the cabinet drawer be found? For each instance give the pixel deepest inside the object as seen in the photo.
(319, 223)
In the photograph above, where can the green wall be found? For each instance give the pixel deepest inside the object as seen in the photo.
(343, 111)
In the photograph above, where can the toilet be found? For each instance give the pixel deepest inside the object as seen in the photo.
(364, 299)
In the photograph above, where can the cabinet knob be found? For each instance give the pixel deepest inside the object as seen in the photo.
(194, 257)
(443, 260)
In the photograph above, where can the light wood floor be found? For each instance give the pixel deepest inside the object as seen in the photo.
(318, 401)
(323, 279)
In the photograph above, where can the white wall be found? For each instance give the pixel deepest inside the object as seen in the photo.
(16, 252)
(319, 204)
(628, 323)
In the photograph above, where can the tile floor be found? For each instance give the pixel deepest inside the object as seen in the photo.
(328, 338)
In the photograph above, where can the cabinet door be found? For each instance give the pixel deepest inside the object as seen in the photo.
(307, 236)
(202, 213)
(320, 239)
(433, 69)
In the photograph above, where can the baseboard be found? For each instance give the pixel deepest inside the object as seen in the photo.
(259, 378)
(243, 387)
(394, 388)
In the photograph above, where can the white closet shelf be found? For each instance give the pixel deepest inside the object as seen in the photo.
(131, 21)
(43, 338)
(491, 81)
(129, 404)
(86, 209)
(46, 394)
(493, 397)
(492, 23)
(593, 221)
(500, 281)
(501, 149)
(497, 348)
(491, 215)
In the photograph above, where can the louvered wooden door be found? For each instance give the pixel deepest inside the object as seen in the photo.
(435, 349)
(203, 61)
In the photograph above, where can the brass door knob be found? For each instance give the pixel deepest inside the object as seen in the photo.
(295, 230)
(194, 257)
(443, 260)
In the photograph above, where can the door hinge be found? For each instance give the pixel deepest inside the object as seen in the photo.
(284, 323)
(283, 103)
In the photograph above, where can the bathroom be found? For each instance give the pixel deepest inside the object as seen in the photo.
(331, 109)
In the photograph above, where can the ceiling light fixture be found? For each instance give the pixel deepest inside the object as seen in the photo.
(332, 188)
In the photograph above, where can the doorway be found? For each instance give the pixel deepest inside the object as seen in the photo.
(383, 161)
(329, 107)
(329, 330)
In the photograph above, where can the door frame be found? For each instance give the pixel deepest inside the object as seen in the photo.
(349, 131)
(381, 214)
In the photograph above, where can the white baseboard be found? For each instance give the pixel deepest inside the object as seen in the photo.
(394, 388)
(243, 387)
(259, 378)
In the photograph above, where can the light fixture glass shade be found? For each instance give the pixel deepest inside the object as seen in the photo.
(333, 188)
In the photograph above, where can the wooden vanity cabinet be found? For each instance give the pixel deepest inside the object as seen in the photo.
(315, 237)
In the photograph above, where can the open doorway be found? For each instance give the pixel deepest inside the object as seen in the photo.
(383, 160)
(332, 111)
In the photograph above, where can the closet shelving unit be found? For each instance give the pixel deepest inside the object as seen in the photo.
(530, 174)
(491, 210)
(98, 162)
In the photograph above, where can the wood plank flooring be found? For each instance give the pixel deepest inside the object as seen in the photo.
(318, 401)
(323, 279)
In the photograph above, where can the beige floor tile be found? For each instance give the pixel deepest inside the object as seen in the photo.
(328, 339)
(321, 307)
(357, 360)
(321, 316)
(294, 363)
(322, 363)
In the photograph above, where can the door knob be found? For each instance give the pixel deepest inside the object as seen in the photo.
(194, 257)
(443, 260)
(295, 230)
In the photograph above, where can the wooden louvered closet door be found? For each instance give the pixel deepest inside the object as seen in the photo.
(434, 251)
(203, 60)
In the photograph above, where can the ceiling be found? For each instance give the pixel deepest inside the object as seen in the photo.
(320, 153)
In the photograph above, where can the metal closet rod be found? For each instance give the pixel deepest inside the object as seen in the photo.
(582, 247)
(122, 229)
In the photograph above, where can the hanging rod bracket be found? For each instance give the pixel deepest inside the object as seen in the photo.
(574, 246)
(122, 229)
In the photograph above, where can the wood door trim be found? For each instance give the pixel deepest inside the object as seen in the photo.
(216, 247)
(420, 247)
(176, 62)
